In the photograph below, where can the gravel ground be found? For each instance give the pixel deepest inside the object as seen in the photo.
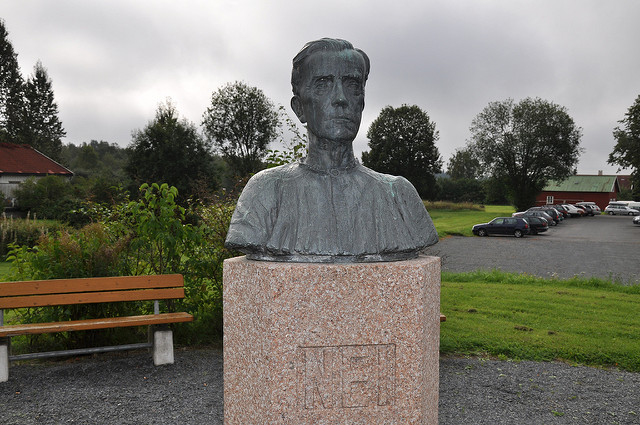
(126, 388)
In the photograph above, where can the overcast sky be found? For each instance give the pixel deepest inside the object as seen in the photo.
(112, 62)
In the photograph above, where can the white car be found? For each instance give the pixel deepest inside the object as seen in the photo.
(573, 210)
(596, 209)
(614, 209)
(636, 219)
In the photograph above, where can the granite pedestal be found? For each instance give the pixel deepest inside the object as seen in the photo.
(329, 344)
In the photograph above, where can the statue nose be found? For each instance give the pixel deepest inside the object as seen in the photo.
(338, 97)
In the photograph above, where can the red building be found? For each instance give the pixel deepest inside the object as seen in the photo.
(581, 188)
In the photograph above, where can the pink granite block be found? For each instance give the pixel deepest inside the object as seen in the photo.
(331, 343)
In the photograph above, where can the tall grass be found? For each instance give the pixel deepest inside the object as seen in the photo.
(585, 321)
(24, 231)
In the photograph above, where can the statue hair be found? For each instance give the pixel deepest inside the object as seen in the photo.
(324, 44)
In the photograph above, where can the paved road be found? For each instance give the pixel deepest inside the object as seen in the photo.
(604, 246)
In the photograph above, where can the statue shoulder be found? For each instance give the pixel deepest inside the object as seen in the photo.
(270, 177)
(397, 183)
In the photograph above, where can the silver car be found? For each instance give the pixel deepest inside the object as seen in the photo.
(616, 209)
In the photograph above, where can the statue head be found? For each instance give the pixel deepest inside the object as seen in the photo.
(328, 81)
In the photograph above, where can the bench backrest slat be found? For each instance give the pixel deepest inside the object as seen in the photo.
(90, 290)
(91, 297)
(91, 284)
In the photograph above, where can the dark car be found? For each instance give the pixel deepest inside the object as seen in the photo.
(555, 215)
(562, 210)
(537, 224)
(515, 226)
(535, 213)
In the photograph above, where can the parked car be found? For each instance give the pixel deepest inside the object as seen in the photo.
(619, 209)
(515, 226)
(586, 208)
(552, 212)
(594, 207)
(573, 210)
(537, 224)
(535, 213)
(636, 219)
(634, 205)
(562, 210)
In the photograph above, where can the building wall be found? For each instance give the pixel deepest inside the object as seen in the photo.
(600, 198)
(10, 182)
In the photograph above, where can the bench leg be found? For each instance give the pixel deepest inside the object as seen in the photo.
(4, 359)
(162, 345)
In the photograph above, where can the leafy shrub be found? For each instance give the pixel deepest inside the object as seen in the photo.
(80, 253)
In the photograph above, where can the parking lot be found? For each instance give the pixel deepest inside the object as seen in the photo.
(603, 246)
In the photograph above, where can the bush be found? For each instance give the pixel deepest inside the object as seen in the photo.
(87, 252)
(461, 190)
(47, 197)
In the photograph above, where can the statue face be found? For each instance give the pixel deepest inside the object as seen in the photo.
(331, 96)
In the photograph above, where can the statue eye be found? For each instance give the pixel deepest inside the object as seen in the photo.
(353, 86)
(322, 84)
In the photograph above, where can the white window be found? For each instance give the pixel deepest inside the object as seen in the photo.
(550, 200)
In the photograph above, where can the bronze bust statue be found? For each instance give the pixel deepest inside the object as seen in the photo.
(327, 207)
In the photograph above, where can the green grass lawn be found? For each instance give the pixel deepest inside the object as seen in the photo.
(513, 316)
(451, 222)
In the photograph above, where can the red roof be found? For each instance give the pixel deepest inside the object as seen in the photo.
(23, 159)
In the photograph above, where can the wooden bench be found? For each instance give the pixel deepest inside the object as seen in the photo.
(87, 291)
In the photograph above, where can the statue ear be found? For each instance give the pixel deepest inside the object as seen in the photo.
(296, 105)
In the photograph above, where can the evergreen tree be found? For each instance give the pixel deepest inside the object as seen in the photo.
(44, 129)
(11, 91)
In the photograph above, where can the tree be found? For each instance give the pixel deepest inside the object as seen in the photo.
(294, 143)
(240, 123)
(402, 142)
(43, 129)
(626, 152)
(170, 150)
(463, 164)
(11, 91)
(525, 144)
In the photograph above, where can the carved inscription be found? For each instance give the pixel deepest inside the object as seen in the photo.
(347, 376)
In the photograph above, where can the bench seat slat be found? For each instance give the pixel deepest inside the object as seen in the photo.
(83, 325)
(92, 284)
(91, 297)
